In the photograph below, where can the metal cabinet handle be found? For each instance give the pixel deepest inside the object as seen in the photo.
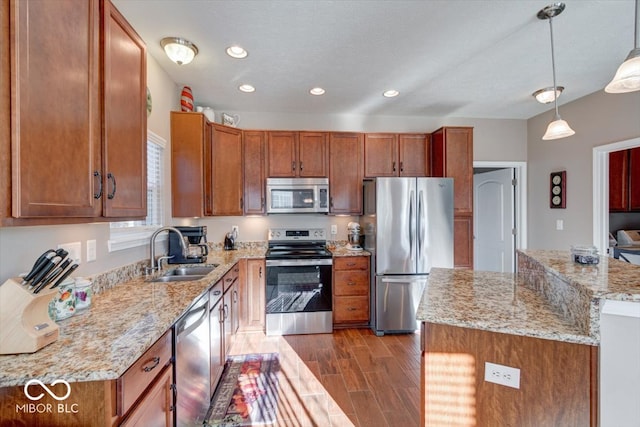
(112, 178)
(394, 166)
(301, 166)
(262, 202)
(155, 361)
(351, 309)
(401, 166)
(241, 202)
(331, 201)
(351, 283)
(293, 166)
(260, 272)
(99, 193)
(235, 296)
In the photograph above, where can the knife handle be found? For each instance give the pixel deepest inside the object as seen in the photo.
(42, 259)
(43, 272)
(64, 276)
(56, 271)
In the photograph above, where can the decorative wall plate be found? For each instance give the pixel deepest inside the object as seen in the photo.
(558, 196)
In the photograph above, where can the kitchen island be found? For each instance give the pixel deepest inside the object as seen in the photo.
(542, 321)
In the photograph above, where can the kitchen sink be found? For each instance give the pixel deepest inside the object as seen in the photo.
(185, 274)
(191, 271)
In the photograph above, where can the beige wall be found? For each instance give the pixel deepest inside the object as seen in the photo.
(598, 119)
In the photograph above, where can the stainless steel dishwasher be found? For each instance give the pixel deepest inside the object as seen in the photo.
(192, 359)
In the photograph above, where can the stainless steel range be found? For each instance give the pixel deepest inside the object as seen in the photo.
(298, 282)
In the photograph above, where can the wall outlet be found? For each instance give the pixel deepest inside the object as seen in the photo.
(503, 375)
(334, 229)
(559, 224)
(91, 250)
(74, 249)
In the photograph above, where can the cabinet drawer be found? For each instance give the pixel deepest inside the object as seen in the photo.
(351, 263)
(230, 277)
(351, 282)
(351, 309)
(132, 383)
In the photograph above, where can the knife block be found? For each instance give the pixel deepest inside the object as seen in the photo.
(25, 325)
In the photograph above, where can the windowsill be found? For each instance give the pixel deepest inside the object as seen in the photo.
(128, 238)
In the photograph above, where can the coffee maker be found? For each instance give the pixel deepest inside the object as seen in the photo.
(198, 250)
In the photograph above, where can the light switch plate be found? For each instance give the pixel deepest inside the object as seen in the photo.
(91, 250)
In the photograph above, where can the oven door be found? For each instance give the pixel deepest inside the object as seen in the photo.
(296, 285)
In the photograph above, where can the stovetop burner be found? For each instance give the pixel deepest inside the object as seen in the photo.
(298, 243)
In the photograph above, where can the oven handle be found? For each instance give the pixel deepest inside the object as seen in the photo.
(298, 262)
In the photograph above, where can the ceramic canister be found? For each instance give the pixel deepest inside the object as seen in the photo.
(83, 293)
(63, 304)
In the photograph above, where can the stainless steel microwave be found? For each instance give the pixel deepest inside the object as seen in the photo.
(297, 195)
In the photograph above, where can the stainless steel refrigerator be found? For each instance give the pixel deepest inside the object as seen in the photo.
(408, 228)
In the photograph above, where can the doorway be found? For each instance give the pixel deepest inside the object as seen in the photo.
(499, 217)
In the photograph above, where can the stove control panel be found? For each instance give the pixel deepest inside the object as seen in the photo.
(300, 234)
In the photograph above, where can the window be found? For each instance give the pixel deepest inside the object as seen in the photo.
(128, 234)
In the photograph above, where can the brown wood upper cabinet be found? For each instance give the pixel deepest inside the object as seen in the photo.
(297, 154)
(206, 167)
(253, 145)
(346, 151)
(624, 180)
(389, 154)
(61, 165)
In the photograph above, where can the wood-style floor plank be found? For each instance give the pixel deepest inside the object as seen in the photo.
(348, 378)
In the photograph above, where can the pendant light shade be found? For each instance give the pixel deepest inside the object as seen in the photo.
(558, 128)
(179, 50)
(627, 78)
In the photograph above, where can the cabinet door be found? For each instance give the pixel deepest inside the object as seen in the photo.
(452, 156)
(312, 155)
(619, 181)
(156, 406)
(56, 120)
(227, 170)
(381, 155)
(188, 134)
(253, 144)
(215, 339)
(226, 321)
(345, 173)
(252, 295)
(281, 154)
(125, 118)
(463, 241)
(414, 154)
(634, 179)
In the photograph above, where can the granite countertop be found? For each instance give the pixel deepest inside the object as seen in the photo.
(343, 251)
(121, 324)
(609, 279)
(496, 302)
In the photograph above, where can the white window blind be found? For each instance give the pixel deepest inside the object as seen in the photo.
(128, 234)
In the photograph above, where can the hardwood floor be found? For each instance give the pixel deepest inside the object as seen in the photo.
(350, 377)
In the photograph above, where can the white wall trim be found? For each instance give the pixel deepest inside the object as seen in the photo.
(520, 169)
(601, 190)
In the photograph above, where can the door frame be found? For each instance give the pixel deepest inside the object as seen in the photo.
(601, 190)
(519, 198)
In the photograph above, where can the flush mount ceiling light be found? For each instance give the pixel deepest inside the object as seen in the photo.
(546, 95)
(237, 52)
(246, 88)
(317, 91)
(390, 93)
(627, 78)
(179, 50)
(558, 128)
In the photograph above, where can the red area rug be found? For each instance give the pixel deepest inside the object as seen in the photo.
(247, 393)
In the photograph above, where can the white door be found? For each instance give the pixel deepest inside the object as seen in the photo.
(493, 216)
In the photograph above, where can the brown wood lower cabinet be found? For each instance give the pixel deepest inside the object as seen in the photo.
(351, 291)
(558, 380)
(155, 408)
(252, 295)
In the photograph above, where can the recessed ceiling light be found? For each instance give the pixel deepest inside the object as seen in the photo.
(317, 91)
(236, 52)
(247, 88)
(390, 93)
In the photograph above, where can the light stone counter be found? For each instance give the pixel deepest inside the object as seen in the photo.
(550, 297)
(121, 324)
(496, 302)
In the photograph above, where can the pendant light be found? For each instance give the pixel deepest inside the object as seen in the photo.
(558, 128)
(627, 78)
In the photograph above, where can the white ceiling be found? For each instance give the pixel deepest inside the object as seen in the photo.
(453, 58)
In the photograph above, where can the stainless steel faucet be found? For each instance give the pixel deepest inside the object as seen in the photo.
(152, 252)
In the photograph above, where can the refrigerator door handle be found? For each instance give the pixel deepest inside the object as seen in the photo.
(411, 224)
(421, 221)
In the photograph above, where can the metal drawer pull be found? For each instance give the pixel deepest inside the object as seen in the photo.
(351, 309)
(156, 362)
(112, 178)
(351, 283)
(99, 193)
